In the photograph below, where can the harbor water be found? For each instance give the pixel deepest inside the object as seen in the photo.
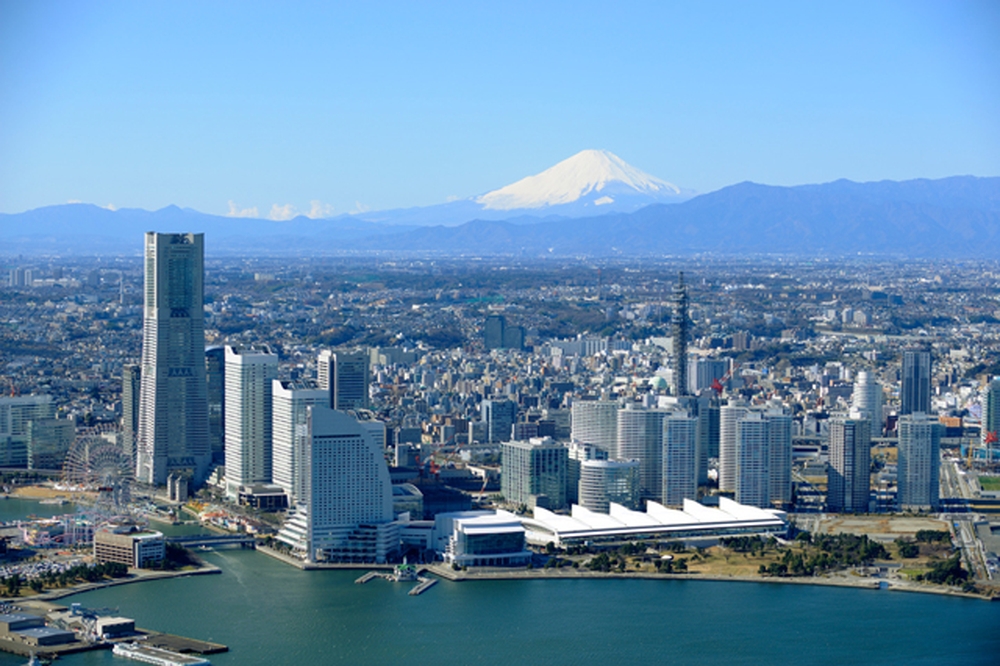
(270, 613)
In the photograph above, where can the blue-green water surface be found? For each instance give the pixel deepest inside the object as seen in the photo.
(270, 613)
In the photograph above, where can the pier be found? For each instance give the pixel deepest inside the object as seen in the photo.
(402, 573)
(214, 541)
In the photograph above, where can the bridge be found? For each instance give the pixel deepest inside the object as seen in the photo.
(214, 541)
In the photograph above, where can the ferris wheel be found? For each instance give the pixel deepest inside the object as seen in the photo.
(98, 465)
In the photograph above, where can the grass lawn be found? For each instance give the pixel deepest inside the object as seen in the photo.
(990, 482)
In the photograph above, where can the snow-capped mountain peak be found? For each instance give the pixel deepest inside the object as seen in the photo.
(587, 172)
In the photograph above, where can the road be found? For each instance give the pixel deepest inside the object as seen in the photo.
(955, 485)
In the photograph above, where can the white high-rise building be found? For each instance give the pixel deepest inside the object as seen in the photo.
(680, 460)
(729, 414)
(595, 422)
(605, 481)
(868, 399)
(173, 402)
(577, 453)
(345, 513)
(849, 474)
(640, 437)
(346, 376)
(290, 433)
(753, 477)
(779, 442)
(919, 462)
(249, 373)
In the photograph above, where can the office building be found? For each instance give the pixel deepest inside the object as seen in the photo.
(173, 405)
(17, 413)
(131, 383)
(704, 372)
(215, 376)
(290, 433)
(249, 373)
(346, 376)
(708, 432)
(603, 482)
(345, 512)
(919, 462)
(49, 441)
(499, 417)
(595, 422)
(533, 473)
(915, 392)
(493, 332)
(640, 437)
(849, 473)
(729, 415)
(867, 399)
(680, 459)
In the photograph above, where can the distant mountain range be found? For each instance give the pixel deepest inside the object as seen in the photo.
(592, 204)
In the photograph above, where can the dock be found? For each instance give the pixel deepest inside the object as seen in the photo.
(424, 585)
(371, 575)
(180, 644)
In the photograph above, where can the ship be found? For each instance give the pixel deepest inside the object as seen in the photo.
(157, 656)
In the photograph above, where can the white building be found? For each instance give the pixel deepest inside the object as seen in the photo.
(753, 478)
(173, 400)
(577, 453)
(480, 539)
(640, 437)
(249, 373)
(595, 422)
(680, 459)
(729, 415)
(606, 482)
(868, 399)
(620, 524)
(345, 514)
(290, 433)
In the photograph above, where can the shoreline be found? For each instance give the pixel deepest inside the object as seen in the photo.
(447, 573)
(53, 595)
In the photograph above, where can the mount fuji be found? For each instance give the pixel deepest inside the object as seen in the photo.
(592, 182)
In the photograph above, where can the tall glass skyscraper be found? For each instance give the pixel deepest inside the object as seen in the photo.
(915, 393)
(173, 404)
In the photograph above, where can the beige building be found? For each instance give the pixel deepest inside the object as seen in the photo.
(134, 549)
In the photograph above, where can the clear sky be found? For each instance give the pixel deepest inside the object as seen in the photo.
(330, 106)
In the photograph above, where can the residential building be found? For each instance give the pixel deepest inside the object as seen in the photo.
(680, 459)
(131, 387)
(603, 482)
(919, 462)
(868, 399)
(849, 473)
(729, 415)
(915, 393)
(499, 417)
(595, 422)
(290, 402)
(640, 437)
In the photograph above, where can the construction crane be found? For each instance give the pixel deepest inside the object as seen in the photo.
(718, 385)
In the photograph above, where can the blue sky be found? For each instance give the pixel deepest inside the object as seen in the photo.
(396, 104)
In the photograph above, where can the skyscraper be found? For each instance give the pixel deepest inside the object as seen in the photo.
(249, 373)
(729, 414)
(345, 512)
(915, 393)
(867, 399)
(290, 433)
(640, 437)
(991, 419)
(753, 477)
(131, 383)
(173, 407)
(779, 442)
(919, 462)
(849, 473)
(680, 470)
(345, 374)
(680, 331)
(595, 422)
(215, 375)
